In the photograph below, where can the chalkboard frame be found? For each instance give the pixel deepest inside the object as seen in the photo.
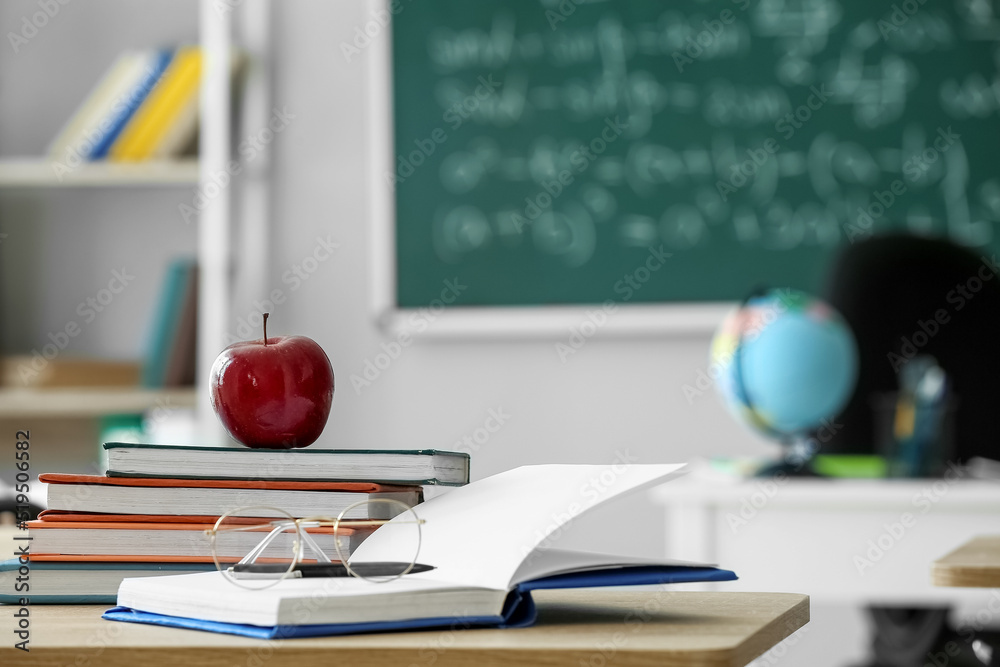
(483, 322)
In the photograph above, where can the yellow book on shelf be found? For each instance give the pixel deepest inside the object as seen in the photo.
(167, 103)
(84, 128)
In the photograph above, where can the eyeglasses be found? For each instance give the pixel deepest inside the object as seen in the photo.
(256, 547)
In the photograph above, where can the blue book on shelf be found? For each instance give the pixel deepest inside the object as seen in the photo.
(486, 546)
(125, 107)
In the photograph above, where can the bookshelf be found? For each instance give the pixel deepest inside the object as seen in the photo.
(219, 270)
(89, 402)
(33, 172)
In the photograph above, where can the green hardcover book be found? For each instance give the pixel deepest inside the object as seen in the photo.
(79, 582)
(167, 322)
(389, 466)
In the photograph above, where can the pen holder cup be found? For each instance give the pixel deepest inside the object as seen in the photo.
(928, 447)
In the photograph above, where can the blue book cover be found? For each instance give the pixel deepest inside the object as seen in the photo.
(125, 108)
(519, 609)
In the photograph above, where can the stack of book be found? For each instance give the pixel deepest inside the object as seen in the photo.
(145, 107)
(148, 515)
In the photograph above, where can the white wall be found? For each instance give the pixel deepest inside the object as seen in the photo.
(613, 396)
(63, 244)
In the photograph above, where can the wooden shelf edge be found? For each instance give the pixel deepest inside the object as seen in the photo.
(43, 172)
(89, 401)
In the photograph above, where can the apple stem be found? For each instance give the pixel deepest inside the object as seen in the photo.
(265, 328)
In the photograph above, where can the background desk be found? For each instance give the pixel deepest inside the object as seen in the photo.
(644, 629)
(975, 564)
(805, 534)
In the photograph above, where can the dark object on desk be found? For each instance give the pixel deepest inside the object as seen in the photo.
(921, 637)
(311, 570)
(915, 426)
(906, 296)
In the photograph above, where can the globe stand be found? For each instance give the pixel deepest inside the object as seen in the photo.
(799, 451)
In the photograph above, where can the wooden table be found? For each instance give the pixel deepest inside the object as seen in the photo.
(581, 627)
(975, 564)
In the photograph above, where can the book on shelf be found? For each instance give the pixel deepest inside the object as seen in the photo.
(418, 466)
(487, 546)
(214, 497)
(93, 128)
(145, 107)
(163, 123)
(181, 368)
(170, 356)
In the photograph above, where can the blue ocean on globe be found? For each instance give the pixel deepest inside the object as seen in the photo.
(788, 362)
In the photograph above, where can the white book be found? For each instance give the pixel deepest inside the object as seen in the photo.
(396, 466)
(489, 544)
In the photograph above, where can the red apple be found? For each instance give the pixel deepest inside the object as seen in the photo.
(273, 393)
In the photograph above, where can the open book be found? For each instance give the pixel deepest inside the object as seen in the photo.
(490, 544)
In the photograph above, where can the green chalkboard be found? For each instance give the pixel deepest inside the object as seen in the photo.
(553, 152)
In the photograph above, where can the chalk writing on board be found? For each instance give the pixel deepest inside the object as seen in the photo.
(874, 117)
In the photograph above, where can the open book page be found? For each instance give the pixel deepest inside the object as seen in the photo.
(545, 562)
(208, 596)
(481, 534)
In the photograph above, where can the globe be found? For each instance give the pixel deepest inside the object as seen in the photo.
(784, 362)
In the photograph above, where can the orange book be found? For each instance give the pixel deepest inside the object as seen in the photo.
(357, 487)
(60, 516)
